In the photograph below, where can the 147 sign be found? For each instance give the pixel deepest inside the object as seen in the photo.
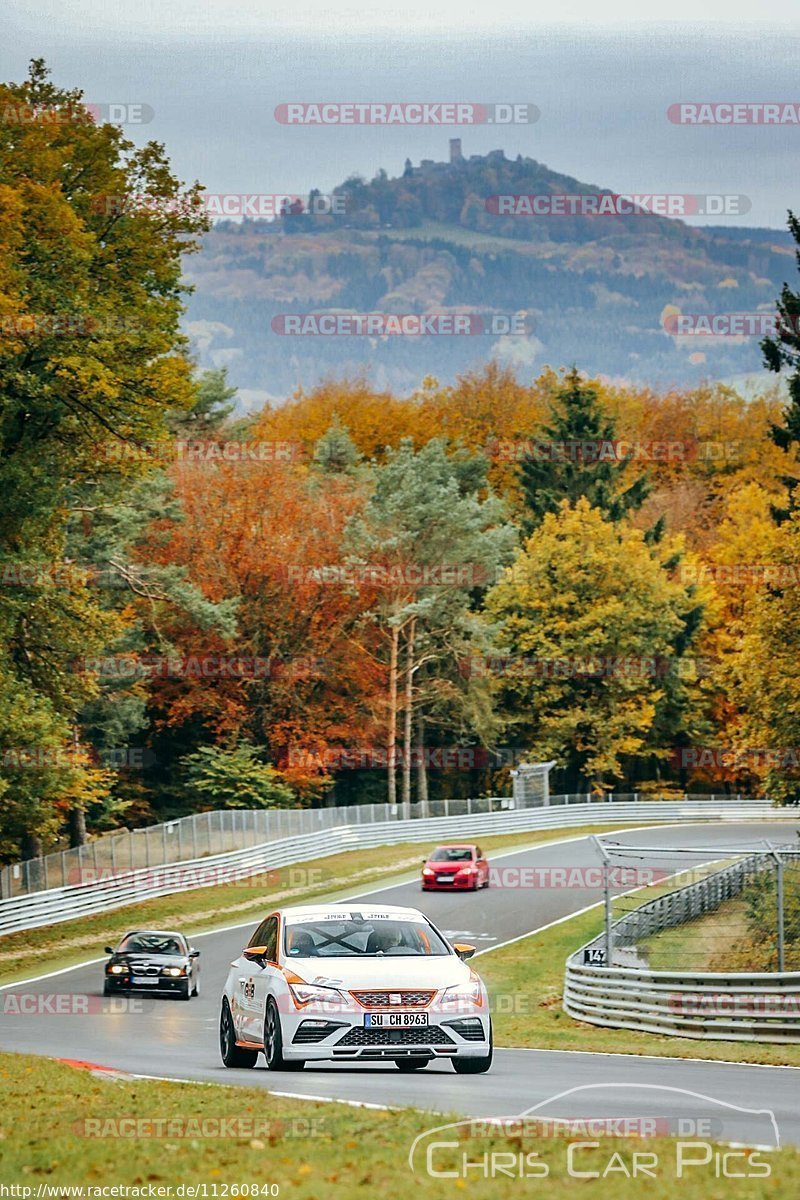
(594, 956)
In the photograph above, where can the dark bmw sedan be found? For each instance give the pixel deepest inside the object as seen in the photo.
(153, 961)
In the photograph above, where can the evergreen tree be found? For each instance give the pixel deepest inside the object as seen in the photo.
(784, 351)
(576, 458)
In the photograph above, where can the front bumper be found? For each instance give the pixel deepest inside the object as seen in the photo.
(345, 1037)
(175, 983)
(465, 884)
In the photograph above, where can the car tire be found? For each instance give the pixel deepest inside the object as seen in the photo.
(185, 991)
(475, 1066)
(196, 988)
(411, 1064)
(106, 988)
(231, 1054)
(273, 1042)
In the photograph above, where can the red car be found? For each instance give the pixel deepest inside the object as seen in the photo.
(461, 867)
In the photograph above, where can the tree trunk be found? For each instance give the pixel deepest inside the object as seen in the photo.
(77, 827)
(408, 716)
(391, 749)
(30, 845)
(422, 770)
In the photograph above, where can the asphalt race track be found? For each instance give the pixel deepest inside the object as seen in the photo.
(171, 1039)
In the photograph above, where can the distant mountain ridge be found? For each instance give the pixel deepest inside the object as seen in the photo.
(595, 289)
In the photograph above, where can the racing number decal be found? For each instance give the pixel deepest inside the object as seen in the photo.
(249, 989)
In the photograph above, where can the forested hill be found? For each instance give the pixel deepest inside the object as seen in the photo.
(596, 289)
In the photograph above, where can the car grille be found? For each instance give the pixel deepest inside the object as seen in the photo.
(382, 999)
(430, 1035)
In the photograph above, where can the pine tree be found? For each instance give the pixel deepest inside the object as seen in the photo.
(572, 463)
(784, 351)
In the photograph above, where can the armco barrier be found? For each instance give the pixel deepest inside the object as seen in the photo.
(735, 1006)
(129, 887)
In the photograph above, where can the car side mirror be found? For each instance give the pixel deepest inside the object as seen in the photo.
(463, 951)
(108, 950)
(255, 954)
(194, 953)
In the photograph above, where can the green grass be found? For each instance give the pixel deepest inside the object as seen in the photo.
(700, 945)
(55, 946)
(311, 1151)
(527, 979)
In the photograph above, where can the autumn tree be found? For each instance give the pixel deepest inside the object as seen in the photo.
(92, 232)
(586, 614)
(436, 537)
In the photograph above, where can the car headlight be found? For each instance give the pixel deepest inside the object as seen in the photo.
(308, 993)
(428, 871)
(175, 971)
(463, 996)
(117, 969)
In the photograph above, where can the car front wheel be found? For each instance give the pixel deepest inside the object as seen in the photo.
(232, 1055)
(273, 1042)
(475, 1066)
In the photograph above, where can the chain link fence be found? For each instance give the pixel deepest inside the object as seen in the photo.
(204, 834)
(741, 913)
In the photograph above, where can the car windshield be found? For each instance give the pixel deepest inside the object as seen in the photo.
(150, 943)
(367, 938)
(451, 854)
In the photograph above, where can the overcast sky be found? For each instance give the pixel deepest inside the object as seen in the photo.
(214, 70)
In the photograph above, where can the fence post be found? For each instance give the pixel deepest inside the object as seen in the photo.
(781, 931)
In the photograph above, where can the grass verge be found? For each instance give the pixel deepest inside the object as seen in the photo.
(311, 1151)
(55, 946)
(526, 982)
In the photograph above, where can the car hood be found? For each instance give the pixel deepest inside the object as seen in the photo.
(389, 972)
(451, 867)
(156, 960)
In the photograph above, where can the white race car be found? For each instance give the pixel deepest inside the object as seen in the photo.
(354, 984)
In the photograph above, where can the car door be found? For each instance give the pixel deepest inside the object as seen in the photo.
(245, 1008)
(482, 865)
(261, 980)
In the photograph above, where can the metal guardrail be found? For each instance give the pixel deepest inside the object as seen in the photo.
(209, 833)
(732, 1006)
(121, 887)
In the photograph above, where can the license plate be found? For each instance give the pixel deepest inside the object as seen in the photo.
(395, 1020)
(446, 878)
(141, 979)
